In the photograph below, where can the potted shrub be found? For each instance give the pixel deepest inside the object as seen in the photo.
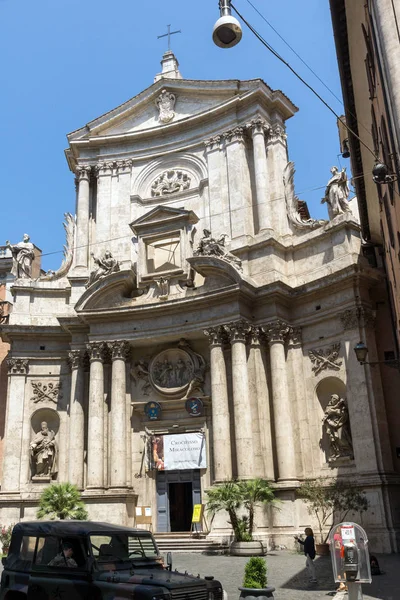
(327, 498)
(5, 537)
(234, 496)
(255, 580)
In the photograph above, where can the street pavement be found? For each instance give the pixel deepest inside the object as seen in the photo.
(287, 573)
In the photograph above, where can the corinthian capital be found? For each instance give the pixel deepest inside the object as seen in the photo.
(238, 330)
(277, 331)
(358, 316)
(234, 135)
(216, 335)
(97, 351)
(124, 166)
(104, 168)
(277, 133)
(213, 143)
(119, 349)
(257, 125)
(17, 366)
(83, 172)
(76, 359)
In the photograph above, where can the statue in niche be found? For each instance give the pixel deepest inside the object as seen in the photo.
(337, 193)
(337, 426)
(105, 266)
(44, 453)
(209, 246)
(23, 256)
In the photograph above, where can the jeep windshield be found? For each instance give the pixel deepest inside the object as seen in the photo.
(115, 550)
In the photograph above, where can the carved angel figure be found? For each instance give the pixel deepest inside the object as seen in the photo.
(337, 426)
(336, 193)
(105, 266)
(140, 372)
(209, 246)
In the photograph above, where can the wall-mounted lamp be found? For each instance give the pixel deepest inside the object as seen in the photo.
(227, 31)
(361, 351)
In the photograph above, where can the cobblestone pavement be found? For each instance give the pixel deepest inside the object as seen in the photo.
(287, 573)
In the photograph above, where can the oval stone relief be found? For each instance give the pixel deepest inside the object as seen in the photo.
(171, 371)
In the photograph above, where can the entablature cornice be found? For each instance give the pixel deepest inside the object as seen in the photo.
(9, 333)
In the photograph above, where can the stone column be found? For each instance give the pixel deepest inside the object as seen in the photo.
(263, 402)
(241, 404)
(240, 197)
(105, 173)
(222, 451)
(252, 367)
(119, 353)
(277, 160)
(17, 371)
(76, 419)
(95, 457)
(258, 129)
(277, 333)
(82, 221)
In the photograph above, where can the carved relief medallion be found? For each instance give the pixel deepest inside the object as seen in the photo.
(171, 371)
(170, 182)
(325, 359)
(166, 104)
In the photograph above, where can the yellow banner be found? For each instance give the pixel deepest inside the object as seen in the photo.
(197, 513)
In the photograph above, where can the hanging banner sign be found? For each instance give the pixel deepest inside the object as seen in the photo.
(179, 452)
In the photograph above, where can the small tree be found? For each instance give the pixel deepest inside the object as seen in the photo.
(232, 495)
(326, 497)
(61, 501)
(255, 573)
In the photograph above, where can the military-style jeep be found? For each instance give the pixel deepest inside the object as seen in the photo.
(84, 560)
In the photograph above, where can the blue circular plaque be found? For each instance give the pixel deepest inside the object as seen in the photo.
(152, 410)
(194, 407)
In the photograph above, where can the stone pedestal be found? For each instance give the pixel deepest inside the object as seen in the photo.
(95, 459)
(222, 453)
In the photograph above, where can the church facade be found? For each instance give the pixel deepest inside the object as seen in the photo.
(201, 326)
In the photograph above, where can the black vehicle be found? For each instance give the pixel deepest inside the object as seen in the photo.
(84, 560)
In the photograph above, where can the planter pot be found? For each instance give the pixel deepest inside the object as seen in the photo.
(254, 594)
(254, 548)
(322, 549)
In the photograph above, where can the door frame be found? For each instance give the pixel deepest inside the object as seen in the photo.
(163, 479)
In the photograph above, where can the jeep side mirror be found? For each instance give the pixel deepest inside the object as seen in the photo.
(169, 561)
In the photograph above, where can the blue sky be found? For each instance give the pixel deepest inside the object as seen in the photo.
(64, 63)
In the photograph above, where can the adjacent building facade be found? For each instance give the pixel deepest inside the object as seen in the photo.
(201, 326)
(368, 49)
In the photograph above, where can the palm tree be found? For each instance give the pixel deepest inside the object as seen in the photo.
(253, 492)
(226, 496)
(61, 501)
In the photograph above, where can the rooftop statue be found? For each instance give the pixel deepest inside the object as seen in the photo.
(337, 193)
(23, 256)
(209, 246)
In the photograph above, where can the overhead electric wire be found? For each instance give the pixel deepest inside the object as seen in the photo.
(279, 57)
(307, 66)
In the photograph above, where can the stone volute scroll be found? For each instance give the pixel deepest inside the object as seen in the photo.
(337, 193)
(105, 265)
(23, 256)
(293, 203)
(69, 226)
(166, 105)
(44, 453)
(336, 423)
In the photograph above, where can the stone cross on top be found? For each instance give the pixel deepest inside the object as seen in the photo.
(168, 35)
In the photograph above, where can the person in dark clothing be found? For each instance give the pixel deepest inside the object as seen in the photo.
(309, 552)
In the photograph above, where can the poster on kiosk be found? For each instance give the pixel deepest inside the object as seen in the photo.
(349, 554)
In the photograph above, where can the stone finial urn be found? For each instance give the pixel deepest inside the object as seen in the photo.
(256, 594)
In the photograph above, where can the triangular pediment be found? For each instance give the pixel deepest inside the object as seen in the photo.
(163, 215)
(191, 98)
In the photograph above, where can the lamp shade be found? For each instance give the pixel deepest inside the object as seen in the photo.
(361, 351)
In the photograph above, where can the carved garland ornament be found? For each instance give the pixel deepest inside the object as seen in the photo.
(46, 391)
(170, 182)
(325, 359)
